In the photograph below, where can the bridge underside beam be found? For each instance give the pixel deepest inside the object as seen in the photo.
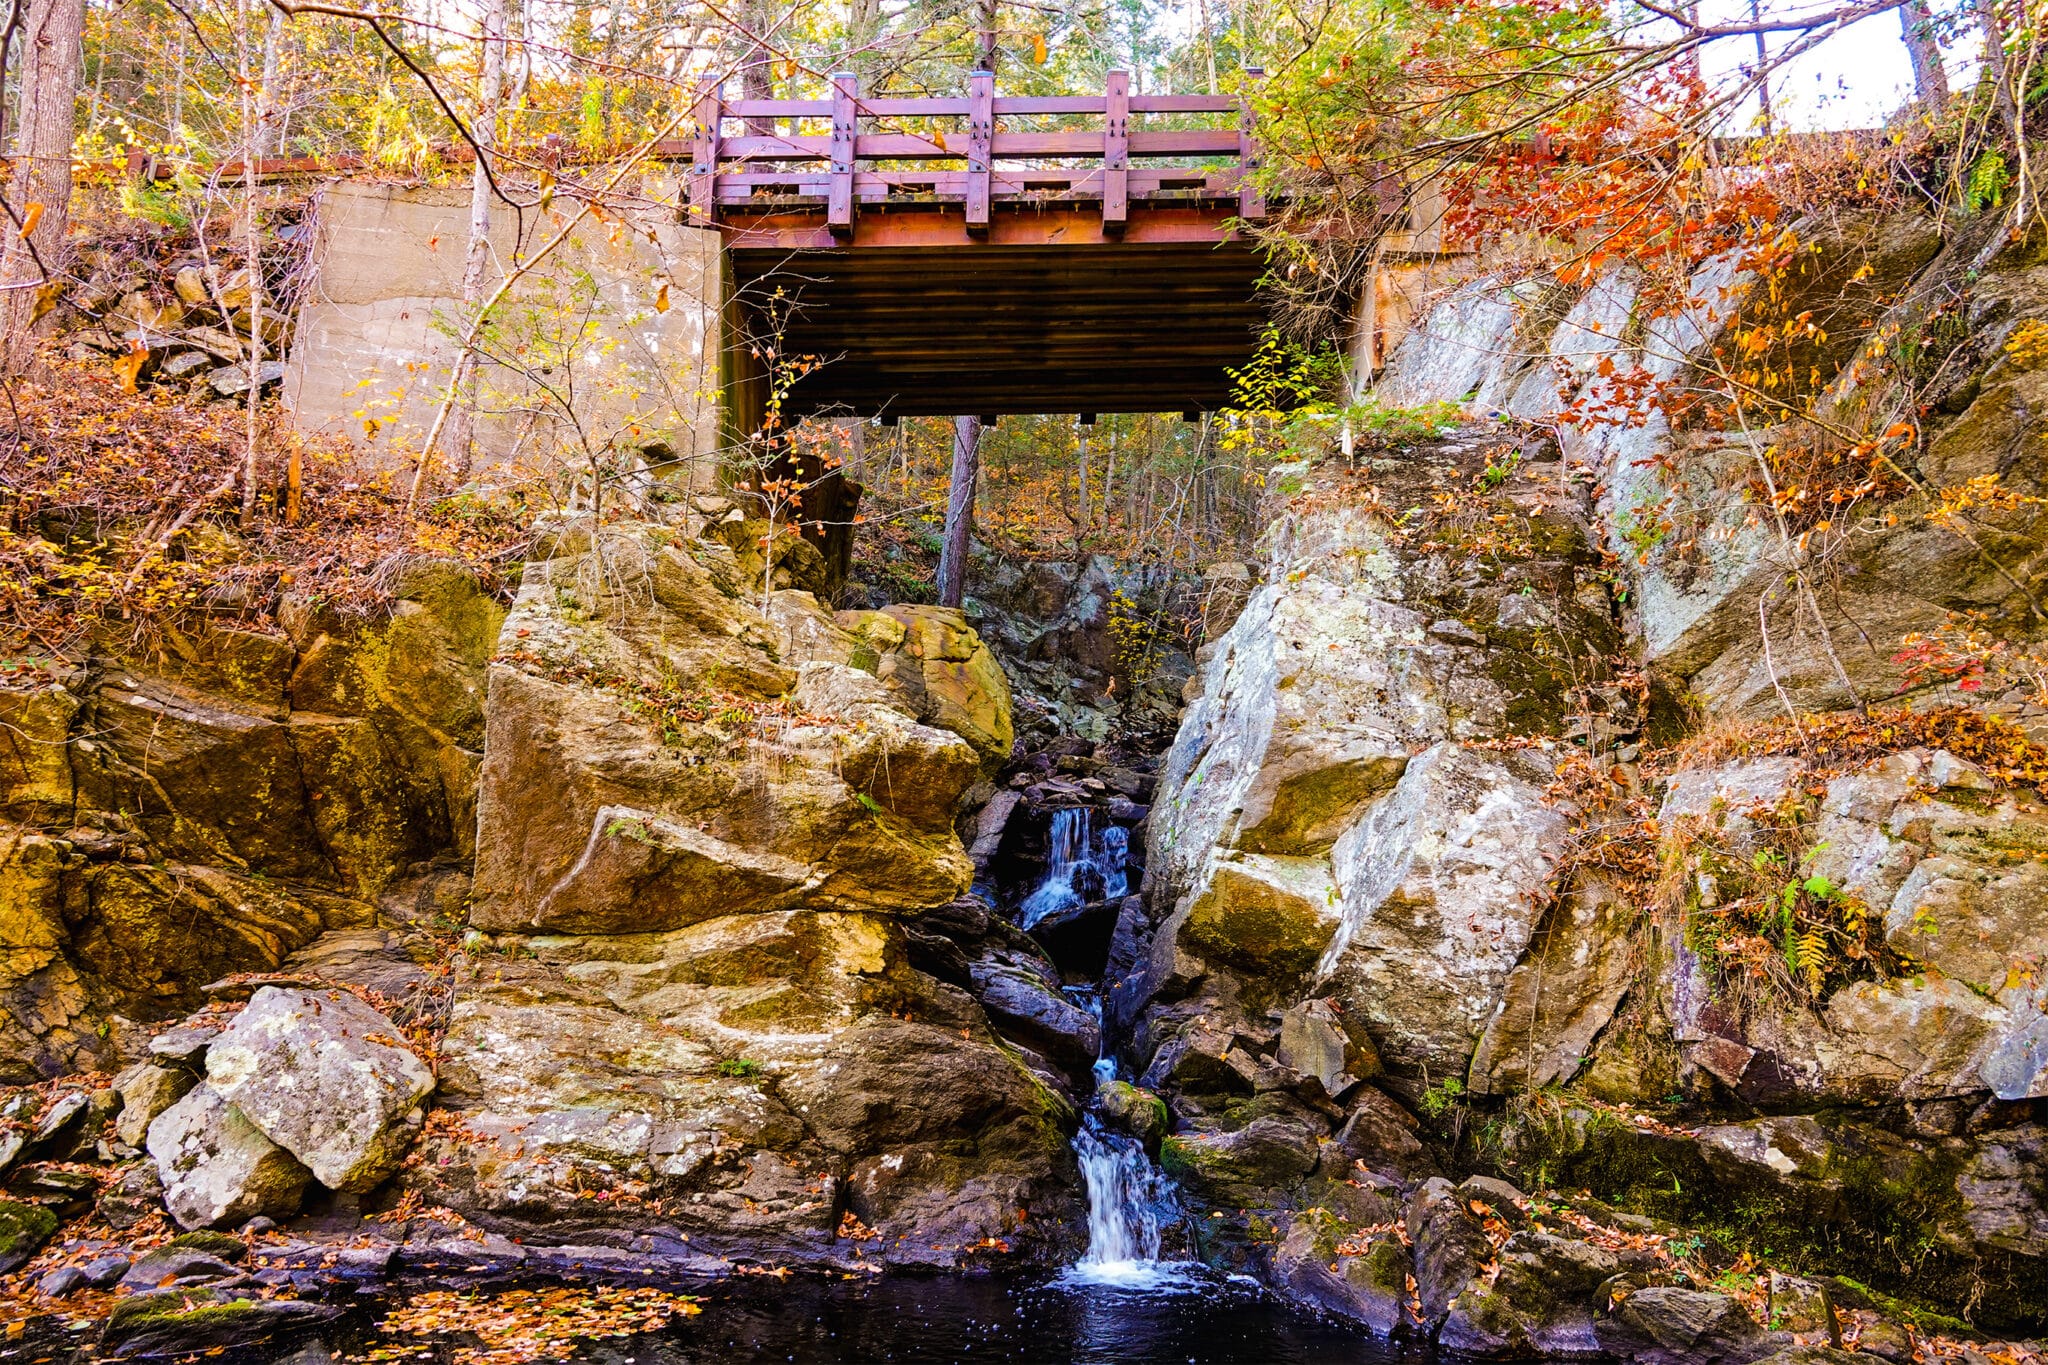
(1043, 315)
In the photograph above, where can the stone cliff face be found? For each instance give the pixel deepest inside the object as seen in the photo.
(1413, 904)
(210, 805)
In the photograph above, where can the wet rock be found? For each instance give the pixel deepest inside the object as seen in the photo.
(1079, 937)
(173, 1265)
(23, 1230)
(217, 1167)
(1449, 1245)
(1366, 1284)
(197, 1321)
(325, 1077)
(1019, 997)
(65, 1279)
(1252, 1165)
(1664, 1326)
(1128, 1109)
(146, 1091)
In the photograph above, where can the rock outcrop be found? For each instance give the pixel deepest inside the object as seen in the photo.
(175, 815)
(712, 824)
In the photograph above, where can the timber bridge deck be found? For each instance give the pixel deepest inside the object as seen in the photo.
(936, 256)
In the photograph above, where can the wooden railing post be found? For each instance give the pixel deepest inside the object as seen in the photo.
(705, 119)
(981, 136)
(1251, 202)
(845, 118)
(1116, 154)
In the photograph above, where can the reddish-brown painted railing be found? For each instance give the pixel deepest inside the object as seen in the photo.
(752, 170)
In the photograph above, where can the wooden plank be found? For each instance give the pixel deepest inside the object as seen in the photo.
(944, 225)
(839, 203)
(704, 120)
(1251, 202)
(981, 133)
(1048, 104)
(1116, 154)
(779, 109)
(916, 108)
(1183, 104)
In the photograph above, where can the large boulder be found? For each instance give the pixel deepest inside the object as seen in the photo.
(745, 1077)
(217, 1167)
(325, 1077)
(1442, 886)
(661, 752)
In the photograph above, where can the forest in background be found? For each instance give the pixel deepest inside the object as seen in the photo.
(1561, 140)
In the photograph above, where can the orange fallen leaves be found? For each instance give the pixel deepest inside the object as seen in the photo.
(523, 1325)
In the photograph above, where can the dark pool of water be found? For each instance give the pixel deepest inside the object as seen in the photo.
(906, 1321)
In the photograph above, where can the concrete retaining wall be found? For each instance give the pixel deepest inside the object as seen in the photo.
(590, 329)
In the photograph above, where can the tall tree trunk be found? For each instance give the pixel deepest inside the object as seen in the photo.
(52, 63)
(1930, 81)
(1763, 67)
(253, 108)
(1995, 65)
(985, 36)
(1087, 512)
(461, 435)
(270, 139)
(757, 69)
(959, 510)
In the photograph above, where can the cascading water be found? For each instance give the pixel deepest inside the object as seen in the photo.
(1082, 865)
(1129, 1198)
(1127, 1195)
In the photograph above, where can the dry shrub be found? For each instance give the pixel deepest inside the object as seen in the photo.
(120, 507)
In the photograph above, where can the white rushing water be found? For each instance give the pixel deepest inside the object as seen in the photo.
(1082, 865)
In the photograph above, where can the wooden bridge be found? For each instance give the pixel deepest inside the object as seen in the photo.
(980, 256)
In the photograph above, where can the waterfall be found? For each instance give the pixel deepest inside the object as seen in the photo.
(1123, 1227)
(1082, 865)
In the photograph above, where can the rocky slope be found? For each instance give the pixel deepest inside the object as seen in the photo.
(1416, 908)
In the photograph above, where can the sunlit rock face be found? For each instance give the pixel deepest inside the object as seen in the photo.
(201, 800)
(708, 820)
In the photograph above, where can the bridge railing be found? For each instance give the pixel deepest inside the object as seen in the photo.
(757, 169)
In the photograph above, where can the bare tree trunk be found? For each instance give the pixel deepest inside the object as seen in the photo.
(52, 63)
(1930, 81)
(985, 36)
(1995, 64)
(252, 98)
(270, 139)
(461, 435)
(1763, 67)
(959, 510)
(1087, 512)
(757, 72)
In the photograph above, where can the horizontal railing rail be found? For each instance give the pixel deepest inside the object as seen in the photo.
(852, 153)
